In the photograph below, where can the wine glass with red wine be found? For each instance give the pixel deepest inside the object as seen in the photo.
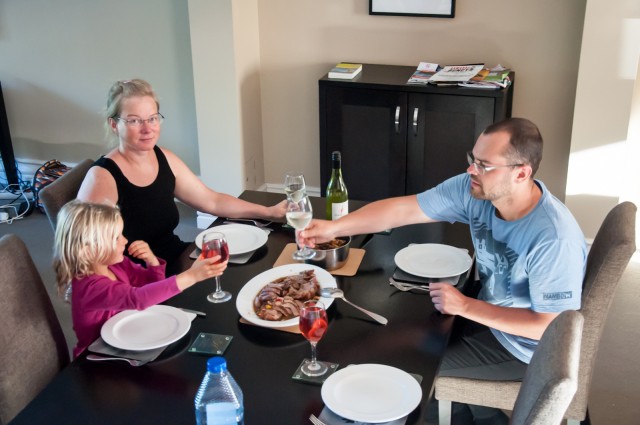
(313, 324)
(213, 244)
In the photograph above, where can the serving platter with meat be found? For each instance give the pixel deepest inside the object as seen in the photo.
(273, 298)
(283, 298)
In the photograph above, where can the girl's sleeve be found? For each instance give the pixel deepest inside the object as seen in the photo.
(101, 293)
(140, 276)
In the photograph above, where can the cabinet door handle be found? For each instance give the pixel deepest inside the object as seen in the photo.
(397, 120)
(415, 121)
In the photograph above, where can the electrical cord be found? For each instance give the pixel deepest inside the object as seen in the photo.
(22, 186)
(15, 188)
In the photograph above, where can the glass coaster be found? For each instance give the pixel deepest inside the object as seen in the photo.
(317, 380)
(210, 344)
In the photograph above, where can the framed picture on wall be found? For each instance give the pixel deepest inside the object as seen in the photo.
(433, 8)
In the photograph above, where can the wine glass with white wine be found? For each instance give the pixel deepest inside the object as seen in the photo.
(299, 216)
(294, 186)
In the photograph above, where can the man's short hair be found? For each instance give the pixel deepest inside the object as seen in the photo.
(525, 141)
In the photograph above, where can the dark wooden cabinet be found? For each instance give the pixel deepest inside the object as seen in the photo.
(399, 139)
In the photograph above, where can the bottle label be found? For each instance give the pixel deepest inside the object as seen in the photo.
(221, 414)
(339, 209)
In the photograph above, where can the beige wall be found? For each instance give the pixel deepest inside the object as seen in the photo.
(605, 145)
(252, 78)
(301, 40)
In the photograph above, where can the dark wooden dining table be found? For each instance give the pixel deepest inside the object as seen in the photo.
(263, 360)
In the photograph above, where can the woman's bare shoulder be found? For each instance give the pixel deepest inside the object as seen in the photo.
(98, 186)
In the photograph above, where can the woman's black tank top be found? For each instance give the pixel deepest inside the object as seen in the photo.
(149, 213)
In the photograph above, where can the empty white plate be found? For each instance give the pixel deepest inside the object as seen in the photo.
(241, 238)
(371, 393)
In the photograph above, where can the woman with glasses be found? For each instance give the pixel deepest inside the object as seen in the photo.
(143, 179)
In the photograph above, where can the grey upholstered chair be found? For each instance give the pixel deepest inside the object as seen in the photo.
(32, 346)
(608, 257)
(63, 190)
(551, 379)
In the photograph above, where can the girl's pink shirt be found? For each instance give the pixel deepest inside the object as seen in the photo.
(96, 298)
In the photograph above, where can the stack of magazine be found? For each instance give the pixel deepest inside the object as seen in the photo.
(474, 75)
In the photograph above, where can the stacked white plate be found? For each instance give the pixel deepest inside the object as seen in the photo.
(154, 327)
(433, 260)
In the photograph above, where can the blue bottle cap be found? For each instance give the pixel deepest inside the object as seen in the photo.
(216, 364)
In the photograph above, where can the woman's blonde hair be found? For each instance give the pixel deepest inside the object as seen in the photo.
(122, 90)
(86, 235)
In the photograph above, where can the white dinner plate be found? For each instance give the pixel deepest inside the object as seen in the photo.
(241, 238)
(433, 260)
(244, 301)
(371, 393)
(155, 327)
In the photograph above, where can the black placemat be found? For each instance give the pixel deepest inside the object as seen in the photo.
(402, 276)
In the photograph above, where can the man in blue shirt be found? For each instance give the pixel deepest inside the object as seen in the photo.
(530, 252)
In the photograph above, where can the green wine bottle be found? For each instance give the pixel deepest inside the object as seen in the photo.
(337, 195)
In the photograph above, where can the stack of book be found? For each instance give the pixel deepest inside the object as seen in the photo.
(345, 71)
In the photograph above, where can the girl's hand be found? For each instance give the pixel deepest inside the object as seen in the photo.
(202, 268)
(142, 251)
(205, 268)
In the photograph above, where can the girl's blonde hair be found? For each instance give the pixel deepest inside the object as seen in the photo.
(122, 90)
(86, 235)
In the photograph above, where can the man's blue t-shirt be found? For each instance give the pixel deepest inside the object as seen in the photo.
(536, 262)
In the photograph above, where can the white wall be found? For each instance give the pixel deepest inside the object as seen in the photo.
(605, 144)
(216, 88)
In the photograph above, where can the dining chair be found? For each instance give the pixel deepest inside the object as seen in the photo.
(608, 257)
(33, 348)
(551, 379)
(63, 190)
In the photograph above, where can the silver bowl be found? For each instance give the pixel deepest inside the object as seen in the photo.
(331, 259)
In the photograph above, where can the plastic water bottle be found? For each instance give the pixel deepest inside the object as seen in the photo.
(219, 399)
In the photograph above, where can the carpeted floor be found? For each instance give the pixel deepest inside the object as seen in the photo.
(615, 389)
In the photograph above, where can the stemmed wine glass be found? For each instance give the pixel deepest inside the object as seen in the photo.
(299, 215)
(313, 324)
(215, 243)
(294, 186)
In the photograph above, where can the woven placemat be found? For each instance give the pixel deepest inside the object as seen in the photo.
(349, 269)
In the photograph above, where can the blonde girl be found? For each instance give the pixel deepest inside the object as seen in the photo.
(89, 259)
